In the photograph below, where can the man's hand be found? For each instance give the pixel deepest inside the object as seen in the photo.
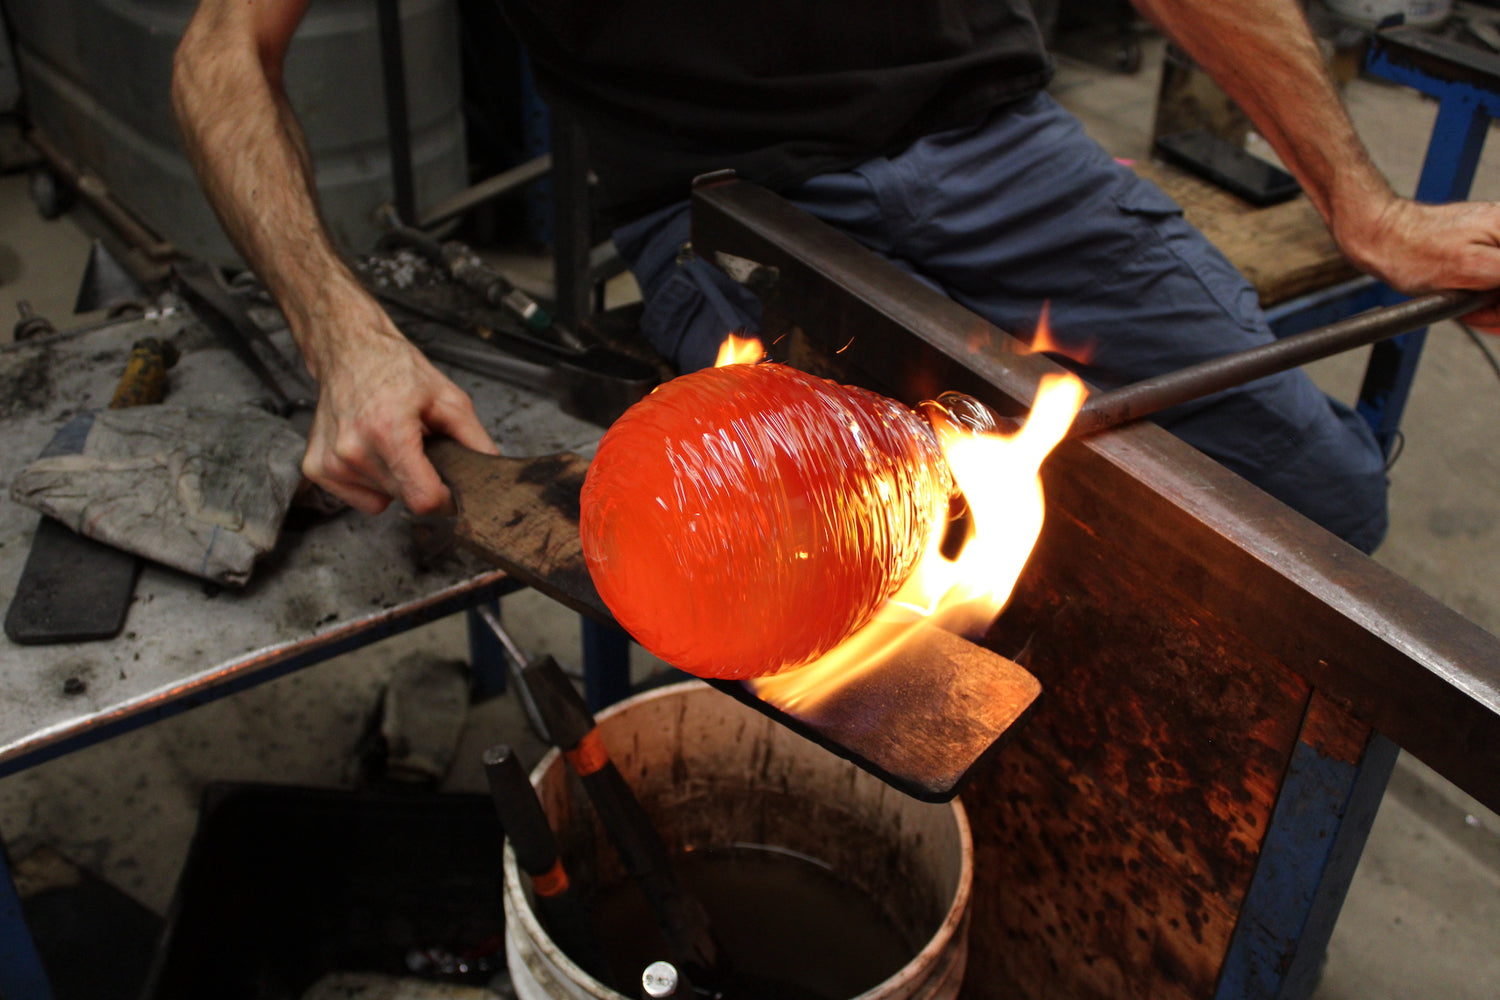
(379, 397)
(1264, 55)
(1419, 248)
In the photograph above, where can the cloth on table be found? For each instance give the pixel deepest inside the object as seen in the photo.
(201, 489)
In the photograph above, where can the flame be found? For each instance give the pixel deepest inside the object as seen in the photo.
(998, 475)
(737, 350)
(1043, 342)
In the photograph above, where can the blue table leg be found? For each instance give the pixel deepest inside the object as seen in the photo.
(1458, 134)
(1328, 801)
(606, 664)
(486, 654)
(21, 974)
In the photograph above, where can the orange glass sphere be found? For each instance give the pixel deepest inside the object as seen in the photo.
(743, 520)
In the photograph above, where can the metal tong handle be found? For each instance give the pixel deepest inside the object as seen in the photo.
(228, 317)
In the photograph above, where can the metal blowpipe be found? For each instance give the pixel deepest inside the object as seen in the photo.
(1152, 395)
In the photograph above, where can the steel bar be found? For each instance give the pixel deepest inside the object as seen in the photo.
(102, 200)
(397, 120)
(1141, 399)
(500, 184)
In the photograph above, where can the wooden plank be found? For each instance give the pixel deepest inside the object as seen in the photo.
(1283, 250)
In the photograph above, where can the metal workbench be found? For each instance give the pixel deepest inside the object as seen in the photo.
(330, 587)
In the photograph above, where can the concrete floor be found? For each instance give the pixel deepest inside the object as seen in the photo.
(1424, 913)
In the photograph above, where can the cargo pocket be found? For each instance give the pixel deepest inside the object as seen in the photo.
(693, 310)
(1229, 289)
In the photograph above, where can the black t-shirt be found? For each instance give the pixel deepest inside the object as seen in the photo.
(778, 90)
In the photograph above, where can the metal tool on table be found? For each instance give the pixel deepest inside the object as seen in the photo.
(73, 588)
(30, 324)
(469, 269)
(593, 384)
(222, 312)
(531, 837)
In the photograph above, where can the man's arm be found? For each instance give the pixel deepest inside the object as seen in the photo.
(379, 395)
(1264, 55)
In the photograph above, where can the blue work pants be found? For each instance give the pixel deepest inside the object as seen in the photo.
(1024, 210)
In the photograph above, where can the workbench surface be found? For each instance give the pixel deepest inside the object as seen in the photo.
(328, 587)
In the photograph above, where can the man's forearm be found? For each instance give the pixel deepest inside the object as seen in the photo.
(1264, 55)
(251, 158)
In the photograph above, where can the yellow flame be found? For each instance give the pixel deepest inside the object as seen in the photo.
(737, 350)
(998, 475)
(1043, 341)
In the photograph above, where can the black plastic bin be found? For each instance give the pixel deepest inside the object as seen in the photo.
(283, 885)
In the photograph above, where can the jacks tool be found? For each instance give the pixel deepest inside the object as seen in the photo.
(227, 316)
(593, 384)
(571, 728)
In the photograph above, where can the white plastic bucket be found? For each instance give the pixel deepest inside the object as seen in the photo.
(708, 770)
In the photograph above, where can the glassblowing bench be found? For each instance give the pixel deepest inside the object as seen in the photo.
(340, 584)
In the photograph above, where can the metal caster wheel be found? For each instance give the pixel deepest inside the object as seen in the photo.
(49, 194)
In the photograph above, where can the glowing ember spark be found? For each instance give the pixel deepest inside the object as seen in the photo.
(999, 476)
(737, 350)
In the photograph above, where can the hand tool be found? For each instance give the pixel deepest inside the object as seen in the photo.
(596, 385)
(570, 727)
(535, 845)
(227, 317)
(469, 270)
(30, 324)
(681, 917)
(73, 588)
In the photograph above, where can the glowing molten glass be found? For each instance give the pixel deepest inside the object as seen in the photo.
(743, 520)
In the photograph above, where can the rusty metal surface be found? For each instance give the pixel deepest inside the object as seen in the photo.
(1368, 640)
(328, 587)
